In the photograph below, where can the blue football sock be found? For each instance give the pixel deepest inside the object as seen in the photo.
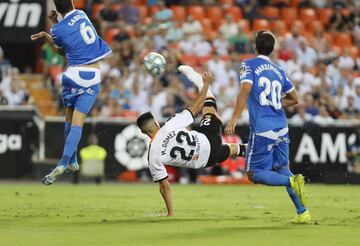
(299, 207)
(271, 178)
(71, 144)
(67, 128)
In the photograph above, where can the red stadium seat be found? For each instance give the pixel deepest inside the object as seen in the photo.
(270, 12)
(261, 24)
(354, 52)
(95, 9)
(139, 2)
(289, 15)
(324, 15)
(179, 13)
(116, 6)
(343, 39)
(314, 25)
(110, 34)
(235, 12)
(329, 37)
(301, 25)
(307, 15)
(197, 12)
(143, 12)
(206, 25)
(245, 25)
(190, 60)
(294, 3)
(80, 4)
(279, 27)
(215, 14)
(154, 9)
(336, 49)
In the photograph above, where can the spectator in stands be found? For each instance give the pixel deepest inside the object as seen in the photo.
(228, 28)
(202, 47)
(323, 118)
(310, 105)
(129, 13)
(350, 111)
(187, 45)
(12, 76)
(338, 22)
(345, 60)
(51, 59)
(240, 41)
(4, 65)
(301, 117)
(170, 108)
(221, 45)
(3, 100)
(160, 39)
(293, 40)
(193, 29)
(175, 33)
(333, 72)
(306, 55)
(218, 69)
(15, 95)
(164, 14)
(250, 10)
(139, 99)
(107, 17)
(318, 41)
(340, 99)
(327, 56)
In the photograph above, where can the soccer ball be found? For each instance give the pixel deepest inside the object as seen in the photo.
(154, 63)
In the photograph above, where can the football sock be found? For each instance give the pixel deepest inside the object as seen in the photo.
(66, 133)
(71, 143)
(210, 102)
(271, 178)
(241, 150)
(295, 199)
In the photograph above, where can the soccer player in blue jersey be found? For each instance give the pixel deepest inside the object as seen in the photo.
(75, 37)
(266, 89)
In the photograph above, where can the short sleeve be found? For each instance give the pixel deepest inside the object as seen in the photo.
(157, 170)
(180, 120)
(56, 37)
(288, 86)
(246, 73)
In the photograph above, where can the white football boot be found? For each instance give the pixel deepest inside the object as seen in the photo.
(51, 177)
(192, 75)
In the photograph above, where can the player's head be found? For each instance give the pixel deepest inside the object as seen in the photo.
(147, 124)
(64, 6)
(264, 43)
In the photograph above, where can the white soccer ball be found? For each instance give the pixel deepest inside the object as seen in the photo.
(154, 63)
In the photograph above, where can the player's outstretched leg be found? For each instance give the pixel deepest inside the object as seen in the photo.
(71, 143)
(231, 150)
(303, 215)
(73, 166)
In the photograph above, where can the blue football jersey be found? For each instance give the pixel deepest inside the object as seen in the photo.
(76, 34)
(265, 100)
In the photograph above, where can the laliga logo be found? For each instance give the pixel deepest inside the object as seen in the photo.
(9, 142)
(131, 148)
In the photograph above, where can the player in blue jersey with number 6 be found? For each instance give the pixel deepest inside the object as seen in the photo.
(75, 37)
(266, 89)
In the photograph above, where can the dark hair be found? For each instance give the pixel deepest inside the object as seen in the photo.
(265, 42)
(64, 6)
(143, 119)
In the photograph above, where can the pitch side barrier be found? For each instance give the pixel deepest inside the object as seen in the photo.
(320, 153)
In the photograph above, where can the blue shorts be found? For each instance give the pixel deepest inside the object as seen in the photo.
(76, 92)
(267, 153)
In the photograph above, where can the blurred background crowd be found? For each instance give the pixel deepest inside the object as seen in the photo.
(317, 44)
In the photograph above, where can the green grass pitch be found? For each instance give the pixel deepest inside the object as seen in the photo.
(119, 214)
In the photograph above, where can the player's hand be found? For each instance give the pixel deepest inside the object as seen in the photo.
(53, 16)
(230, 128)
(208, 78)
(39, 35)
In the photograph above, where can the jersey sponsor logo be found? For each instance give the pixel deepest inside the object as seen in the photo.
(131, 148)
(11, 142)
(24, 14)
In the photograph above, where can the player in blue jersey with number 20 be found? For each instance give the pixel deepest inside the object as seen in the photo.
(266, 89)
(75, 37)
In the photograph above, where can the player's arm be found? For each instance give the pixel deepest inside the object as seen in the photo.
(198, 104)
(290, 99)
(166, 194)
(241, 101)
(48, 39)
